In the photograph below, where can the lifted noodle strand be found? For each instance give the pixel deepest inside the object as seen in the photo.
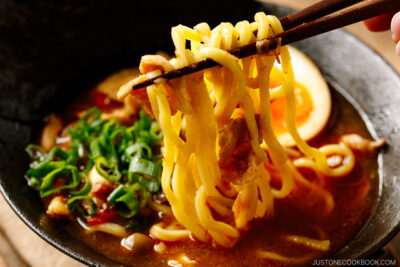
(205, 102)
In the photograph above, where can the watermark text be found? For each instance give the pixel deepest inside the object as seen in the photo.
(355, 262)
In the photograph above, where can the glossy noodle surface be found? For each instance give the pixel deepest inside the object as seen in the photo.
(249, 163)
(355, 197)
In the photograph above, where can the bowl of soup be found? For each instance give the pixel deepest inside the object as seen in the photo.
(170, 175)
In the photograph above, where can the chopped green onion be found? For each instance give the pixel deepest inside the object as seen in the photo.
(114, 195)
(155, 132)
(93, 113)
(35, 152)
(42, 169)
(73, 205)
(131, 203)
(86, 188)
(108, 171)
(47, 188)
(126, 199)
(95, 149)
(145, 167)
(139, 147)
(124, 155)
(151, 185)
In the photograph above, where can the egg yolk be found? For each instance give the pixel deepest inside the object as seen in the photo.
(304, 106)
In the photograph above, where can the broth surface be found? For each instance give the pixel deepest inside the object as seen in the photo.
(355, 196)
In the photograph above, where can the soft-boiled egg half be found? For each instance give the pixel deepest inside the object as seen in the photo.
(313, 100)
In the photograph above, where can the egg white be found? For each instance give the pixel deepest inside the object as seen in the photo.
(307, 74)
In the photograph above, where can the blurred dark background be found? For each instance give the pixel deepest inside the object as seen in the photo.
(50, 45)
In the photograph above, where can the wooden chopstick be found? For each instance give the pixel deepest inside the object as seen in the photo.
(315, 11)
(263, 46)
(365, 10)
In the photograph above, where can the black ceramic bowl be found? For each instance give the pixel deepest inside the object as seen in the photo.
(52, 50)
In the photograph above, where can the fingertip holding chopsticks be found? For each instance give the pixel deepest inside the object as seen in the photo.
(319, 18)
